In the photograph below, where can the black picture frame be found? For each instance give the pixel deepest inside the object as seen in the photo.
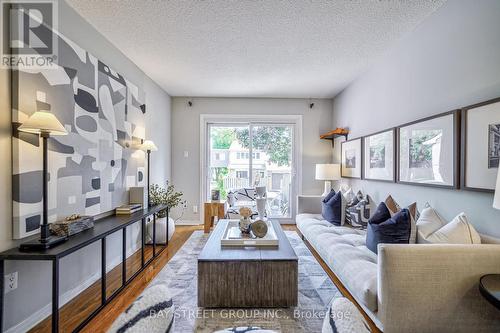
(463, 143)
(360, 139)
(395, 156)
(456, 150)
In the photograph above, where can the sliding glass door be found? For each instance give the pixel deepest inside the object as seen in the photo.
(246, 155)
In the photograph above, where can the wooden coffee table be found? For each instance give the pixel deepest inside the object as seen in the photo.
(247, 277)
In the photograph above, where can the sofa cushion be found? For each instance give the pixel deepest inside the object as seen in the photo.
(333, 209)
(343, 249)
(356, 267)
(384, 229)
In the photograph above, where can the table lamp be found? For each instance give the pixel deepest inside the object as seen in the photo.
(149, 146)
(45, 124)
(327, 172)
(496, 198)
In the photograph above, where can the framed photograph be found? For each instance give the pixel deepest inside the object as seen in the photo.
(380, 156)
(428, 151)
(352, 158)
(480, 145)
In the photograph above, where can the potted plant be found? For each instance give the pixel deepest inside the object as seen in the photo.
(167, 196)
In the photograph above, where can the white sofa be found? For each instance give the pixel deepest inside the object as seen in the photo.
(406, 288)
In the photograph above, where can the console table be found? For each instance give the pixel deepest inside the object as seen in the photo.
(102, 228)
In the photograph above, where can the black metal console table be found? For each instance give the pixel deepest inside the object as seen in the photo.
(102, 228)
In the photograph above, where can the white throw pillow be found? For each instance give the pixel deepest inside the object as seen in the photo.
(348, 194)
(431, 228)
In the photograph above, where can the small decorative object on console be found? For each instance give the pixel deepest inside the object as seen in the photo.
(245, 220)
(259, 228)
(72, 225)
(127, 209)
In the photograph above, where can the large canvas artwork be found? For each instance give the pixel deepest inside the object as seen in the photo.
(91, 168)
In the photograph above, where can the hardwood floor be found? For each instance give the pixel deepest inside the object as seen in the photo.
(80, 307)
(72, 313)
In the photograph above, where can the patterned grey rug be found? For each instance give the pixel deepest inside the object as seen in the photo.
(180, 275)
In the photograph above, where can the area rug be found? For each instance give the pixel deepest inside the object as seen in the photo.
(180, 275)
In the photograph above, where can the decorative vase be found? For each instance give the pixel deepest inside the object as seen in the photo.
(261, 207)
(245, 223)
(160, 230)
(260, 191)
(230, 199)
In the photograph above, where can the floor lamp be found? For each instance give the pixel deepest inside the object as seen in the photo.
(44, 124)
(149, 146)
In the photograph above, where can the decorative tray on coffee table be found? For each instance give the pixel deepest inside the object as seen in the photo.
(234, 237)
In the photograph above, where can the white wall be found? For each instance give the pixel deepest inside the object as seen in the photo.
(186, 137)
(451, 60)
(33, 293)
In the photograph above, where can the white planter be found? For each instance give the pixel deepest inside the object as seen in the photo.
(160, 230)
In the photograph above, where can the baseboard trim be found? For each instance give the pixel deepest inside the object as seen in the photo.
(188, 222)
(46, 311)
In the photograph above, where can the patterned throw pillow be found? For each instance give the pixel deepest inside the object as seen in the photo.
(351, 200)
(359, 212)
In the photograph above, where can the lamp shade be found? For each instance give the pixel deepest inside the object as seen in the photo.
(43, 122)
(149, 145)
(496, 199)
(327, 171)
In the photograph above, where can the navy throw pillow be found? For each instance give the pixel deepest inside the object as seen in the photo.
(328, 196)
(332, 209)
(382, 228)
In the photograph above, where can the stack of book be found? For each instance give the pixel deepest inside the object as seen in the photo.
(128, 209)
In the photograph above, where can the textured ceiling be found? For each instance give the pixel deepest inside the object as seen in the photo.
(266, 48)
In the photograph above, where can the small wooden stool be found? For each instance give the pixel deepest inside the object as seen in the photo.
(212, 210)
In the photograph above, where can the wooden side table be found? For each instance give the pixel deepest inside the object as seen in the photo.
(212, 210)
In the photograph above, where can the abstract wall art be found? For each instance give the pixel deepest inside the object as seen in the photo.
(91, 168)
